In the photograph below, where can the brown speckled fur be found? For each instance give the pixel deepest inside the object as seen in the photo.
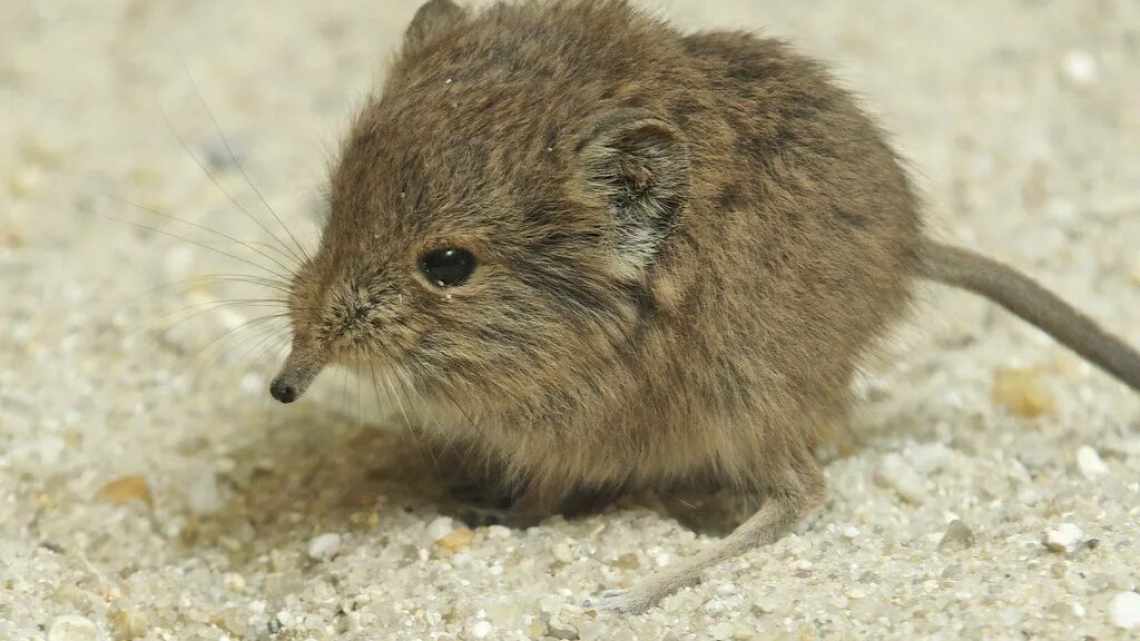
(686, 245)
(790, 254)
(574, 359)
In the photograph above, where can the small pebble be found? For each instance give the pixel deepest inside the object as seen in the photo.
(253, 383)
(1081, 67)
(1125, 610)
(894, 472)
(930, 457)
(480, 629)
(958, 536)
(594, 631)
(124, 490)
(127, 624)
(559, 629)
(722, 630)
(1063, 539)
(627, 561)
(1090, 463)
(72, 628)
(458, 539)
(324, 547)
(204, 496)
(234, 582)
(439, 528)
(498, 532)
(563, 553)
(1022, 392)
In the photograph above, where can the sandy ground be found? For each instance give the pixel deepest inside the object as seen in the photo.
(149, 489)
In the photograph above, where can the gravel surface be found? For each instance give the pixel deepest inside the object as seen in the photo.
(150, 490)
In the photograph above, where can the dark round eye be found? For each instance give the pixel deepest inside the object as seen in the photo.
(447, 267)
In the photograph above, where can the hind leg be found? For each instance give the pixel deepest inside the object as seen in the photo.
(799, 492)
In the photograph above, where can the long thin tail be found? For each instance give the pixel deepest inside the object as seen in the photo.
(1022, 296)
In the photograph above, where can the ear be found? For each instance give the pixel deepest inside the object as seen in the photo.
(431, 19)
(638, 166)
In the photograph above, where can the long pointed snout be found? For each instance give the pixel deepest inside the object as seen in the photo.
(295, 376)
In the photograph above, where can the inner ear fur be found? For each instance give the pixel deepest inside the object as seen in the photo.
(638, 165)
(432, 19)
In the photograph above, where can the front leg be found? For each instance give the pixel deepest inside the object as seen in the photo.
(519, 505)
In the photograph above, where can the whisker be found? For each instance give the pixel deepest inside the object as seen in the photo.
(153, 211)
(359, 403)
(189, 289)
(416, 430)
(209, 357)
(272, 338)
(441, 387)
(194, 282)
(197, 244)
(240, 166)
(218, 184)
(344, 388)
(253, 322)
(263, 337)
(187, 313)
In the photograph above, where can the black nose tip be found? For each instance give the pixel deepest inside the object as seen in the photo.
(283, 391)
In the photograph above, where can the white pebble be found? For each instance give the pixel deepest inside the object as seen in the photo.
(559, 629)
(851, 532)
(896, 473)
(1125, 610)
(722, 630)
(233, 581)
(480, 629)
(498, 532)
(253, 383)
(563, 553)
(324, 547)
(1081, 67)
(1090, 463)
(1063, 538)
(203, 495)
(930, 457)
(72, 628)
(440, 528)
(594, 631)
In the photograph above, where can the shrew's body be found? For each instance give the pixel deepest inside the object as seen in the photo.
(593, 253)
